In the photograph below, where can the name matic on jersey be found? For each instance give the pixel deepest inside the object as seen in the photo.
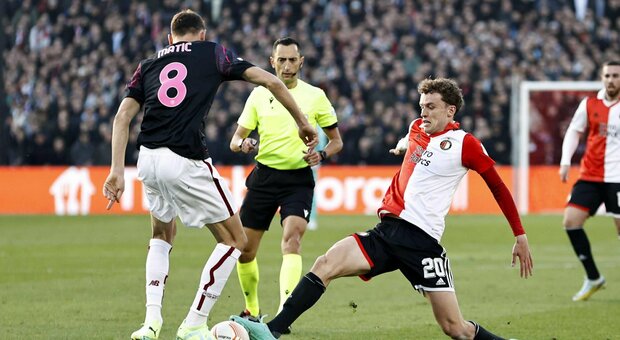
(182, 47)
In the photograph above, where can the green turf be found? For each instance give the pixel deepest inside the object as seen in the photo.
(83, 278)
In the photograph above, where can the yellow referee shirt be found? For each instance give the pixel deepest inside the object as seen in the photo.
(280, 146)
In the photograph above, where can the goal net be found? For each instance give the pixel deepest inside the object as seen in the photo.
(540, 113)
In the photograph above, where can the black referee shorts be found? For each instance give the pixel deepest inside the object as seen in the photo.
(590, 195)
(396, 244)
(270, 189)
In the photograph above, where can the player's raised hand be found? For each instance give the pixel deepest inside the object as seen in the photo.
(564, 173)
(521, 250)
(401, 147)
(308, 134)
(113, 188)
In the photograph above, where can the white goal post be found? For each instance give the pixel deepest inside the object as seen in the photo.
(520, 128)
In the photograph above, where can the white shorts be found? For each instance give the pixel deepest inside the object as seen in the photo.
(188, 188)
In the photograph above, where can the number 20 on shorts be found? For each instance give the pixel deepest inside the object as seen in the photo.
(434, 267)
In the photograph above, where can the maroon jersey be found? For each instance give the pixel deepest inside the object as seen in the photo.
(177, 86)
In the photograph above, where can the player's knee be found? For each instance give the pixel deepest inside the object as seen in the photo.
(236, 241)
(240, 242)
(570, 223)
(247, 255)
(321, 264)
(325, 268)
(291, 245)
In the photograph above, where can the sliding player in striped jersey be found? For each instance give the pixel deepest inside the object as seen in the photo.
(437, 154)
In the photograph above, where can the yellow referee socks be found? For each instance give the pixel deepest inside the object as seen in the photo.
(290, 273)
(248, 279)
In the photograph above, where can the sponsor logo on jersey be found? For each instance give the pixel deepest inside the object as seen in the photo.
(420, 155)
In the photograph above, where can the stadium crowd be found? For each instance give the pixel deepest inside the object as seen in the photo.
(66, 63)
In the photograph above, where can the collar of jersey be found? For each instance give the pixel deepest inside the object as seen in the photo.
(451, 126)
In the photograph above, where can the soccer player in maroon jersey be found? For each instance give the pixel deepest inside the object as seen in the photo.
(599, 177)
(176, 87)
(437, 154)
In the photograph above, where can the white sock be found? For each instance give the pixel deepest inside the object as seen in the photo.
(212, 281)
(157, 264)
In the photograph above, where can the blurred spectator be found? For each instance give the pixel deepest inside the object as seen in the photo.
(103, 150)
(69, 62)
(58, 154)
(82, 151)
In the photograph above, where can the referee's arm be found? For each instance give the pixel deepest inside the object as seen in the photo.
(239, 141)
(334, 144)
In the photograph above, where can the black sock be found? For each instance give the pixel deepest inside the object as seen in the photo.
(581, 245)
(305, 295)
(483, 334)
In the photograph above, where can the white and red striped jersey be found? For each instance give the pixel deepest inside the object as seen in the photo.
(601, 161)
(421, 191)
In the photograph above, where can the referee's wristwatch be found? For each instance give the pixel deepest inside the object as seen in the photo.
(323, 155)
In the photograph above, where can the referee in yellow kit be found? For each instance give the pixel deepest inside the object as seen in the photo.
(282, 177)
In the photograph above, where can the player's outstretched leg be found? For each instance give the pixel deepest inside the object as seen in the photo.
(256, 330)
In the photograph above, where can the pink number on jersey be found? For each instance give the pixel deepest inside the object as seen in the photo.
(175, 82)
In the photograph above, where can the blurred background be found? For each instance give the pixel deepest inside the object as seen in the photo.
(65, 64)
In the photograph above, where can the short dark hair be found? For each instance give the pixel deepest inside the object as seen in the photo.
(187, 21)
(447, 88)
(612, 63)
(286, 41)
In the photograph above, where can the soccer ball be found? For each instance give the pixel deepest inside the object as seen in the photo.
(229, 330)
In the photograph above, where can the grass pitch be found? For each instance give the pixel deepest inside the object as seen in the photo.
(83, 277)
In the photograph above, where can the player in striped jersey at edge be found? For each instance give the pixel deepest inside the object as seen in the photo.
(437, 154)
(599, 175)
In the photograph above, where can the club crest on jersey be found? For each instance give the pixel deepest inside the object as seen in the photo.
(445, 144)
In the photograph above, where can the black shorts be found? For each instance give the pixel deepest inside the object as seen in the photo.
(270, 189)
(589, 196)
(397, 244)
